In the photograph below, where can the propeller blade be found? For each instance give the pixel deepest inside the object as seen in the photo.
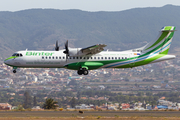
(66, 48)
(57, 47)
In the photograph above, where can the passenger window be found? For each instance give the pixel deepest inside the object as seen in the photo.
(105, 57)
(49, 57)
(112, 58)
(80, 57)
(42, 57)
(125, 57)
(59, 57)
(46, 57)
(63, 57)
(98, 57)
(52, 57)
(73, 57)
(84, 57)
(91, 57)
(94, 57)
(87, 57)
(17, 55)
(21, 55)
(109, 58)
(115, 57)
(56, 57)
(69, 57)
(122, 58)
(76, 57)
(119, 58)
(102, 58)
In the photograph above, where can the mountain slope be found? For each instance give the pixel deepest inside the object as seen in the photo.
(40, 28)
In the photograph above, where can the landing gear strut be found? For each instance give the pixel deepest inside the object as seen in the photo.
(82, 71)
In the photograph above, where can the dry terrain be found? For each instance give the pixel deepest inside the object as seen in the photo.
(90, 115)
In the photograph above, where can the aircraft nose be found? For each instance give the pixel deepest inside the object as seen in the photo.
(7, 62)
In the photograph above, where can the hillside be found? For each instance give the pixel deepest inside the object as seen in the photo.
(40, 28)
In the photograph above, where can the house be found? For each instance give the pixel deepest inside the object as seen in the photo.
(36, 108)
(84, 98)
(5, 106)
(125, 106)
(164, 102)
(162, 107)
(83, 106)
(101, 87)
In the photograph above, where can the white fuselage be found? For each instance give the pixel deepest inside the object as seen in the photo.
(57, 59)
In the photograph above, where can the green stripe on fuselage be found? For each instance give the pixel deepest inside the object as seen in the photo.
(144, 62)
(12, 57)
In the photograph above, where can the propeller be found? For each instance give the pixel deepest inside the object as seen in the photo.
(57, 47)
(66, 50)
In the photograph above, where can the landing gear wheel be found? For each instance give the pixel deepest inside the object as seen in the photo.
(82, 71)
(79, 72)
(14, 71)
(85, 72)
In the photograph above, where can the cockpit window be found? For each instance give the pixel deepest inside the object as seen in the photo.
(14, 54)
(17, 54)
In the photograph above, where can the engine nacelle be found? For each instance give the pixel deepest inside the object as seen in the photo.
(76, 52)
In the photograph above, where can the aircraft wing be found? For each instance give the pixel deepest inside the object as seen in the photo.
(93, 49)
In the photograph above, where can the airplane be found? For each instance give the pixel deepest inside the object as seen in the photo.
(93, 57)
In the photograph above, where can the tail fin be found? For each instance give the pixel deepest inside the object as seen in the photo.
(162, 43)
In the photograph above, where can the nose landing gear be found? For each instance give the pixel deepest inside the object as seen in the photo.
(82, 71)
(14, 69)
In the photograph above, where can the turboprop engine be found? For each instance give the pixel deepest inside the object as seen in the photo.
(71, 51)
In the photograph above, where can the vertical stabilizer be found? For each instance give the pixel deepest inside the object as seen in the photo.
(162, 43)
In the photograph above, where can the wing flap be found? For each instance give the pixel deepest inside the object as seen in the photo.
(93, 49)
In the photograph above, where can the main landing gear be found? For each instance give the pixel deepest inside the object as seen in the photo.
(82, 71)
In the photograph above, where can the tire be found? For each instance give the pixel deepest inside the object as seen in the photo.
(85, 72)
(79, 72)
(14, 71)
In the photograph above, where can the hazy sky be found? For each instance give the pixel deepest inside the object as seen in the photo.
(87, 5)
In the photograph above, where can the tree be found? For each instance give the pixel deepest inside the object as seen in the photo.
(140, 93)
(149, 93)
(79, 94)
(34, 101)
(73, 102)
(27, 100)
(50, 104)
